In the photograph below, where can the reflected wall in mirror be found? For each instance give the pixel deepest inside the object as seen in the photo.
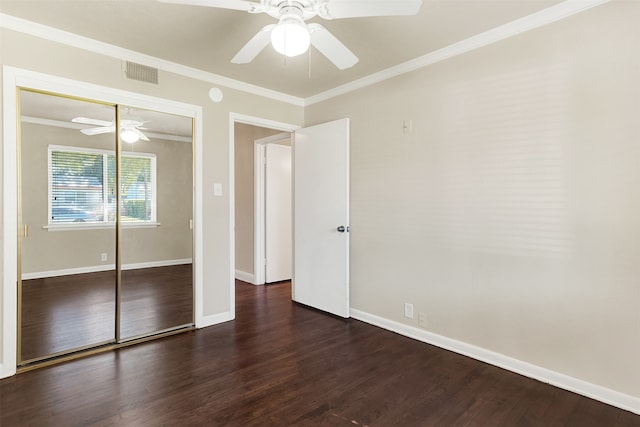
(67, 292)
(156, 211)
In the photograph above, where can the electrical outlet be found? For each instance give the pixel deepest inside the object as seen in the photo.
(103, 256)
(408, 310)
(422, 319)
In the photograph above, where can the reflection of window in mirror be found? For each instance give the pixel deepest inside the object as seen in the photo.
(82, 186)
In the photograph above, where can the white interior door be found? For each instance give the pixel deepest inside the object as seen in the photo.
(278, 242)
(321, 217)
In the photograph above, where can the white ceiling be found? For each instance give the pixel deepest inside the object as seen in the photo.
(207, 38)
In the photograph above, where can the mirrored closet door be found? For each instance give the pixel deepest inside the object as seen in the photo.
(68, 293)
(105, 225)
(156, 205)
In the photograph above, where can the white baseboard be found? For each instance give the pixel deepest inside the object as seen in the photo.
(7, 371)
(162, 263)
(105, 267)
(245, 277)
(214, 319)
(593, 391)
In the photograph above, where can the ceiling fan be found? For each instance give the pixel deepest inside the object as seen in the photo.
(291, 36)
(130, 127)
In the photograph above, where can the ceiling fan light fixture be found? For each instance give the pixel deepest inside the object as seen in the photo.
(129, 135)
(291, 36)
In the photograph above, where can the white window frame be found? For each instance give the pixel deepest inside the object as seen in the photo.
(152, 222)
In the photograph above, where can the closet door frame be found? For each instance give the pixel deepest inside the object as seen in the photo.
(15, 79)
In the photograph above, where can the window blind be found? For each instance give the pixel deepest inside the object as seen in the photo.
(82, 186)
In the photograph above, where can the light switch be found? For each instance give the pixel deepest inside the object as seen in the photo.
(217, 189)
(407, 126)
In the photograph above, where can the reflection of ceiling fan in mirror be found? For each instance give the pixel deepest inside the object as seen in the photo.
(291, 36)
(129, 127)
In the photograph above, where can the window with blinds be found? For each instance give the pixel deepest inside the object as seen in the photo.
(82, 186)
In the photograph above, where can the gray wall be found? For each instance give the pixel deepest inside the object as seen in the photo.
(511, 214)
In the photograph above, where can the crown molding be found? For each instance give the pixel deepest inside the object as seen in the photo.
(49, 122)
(49, 33)
(529, 22)
(75, 126)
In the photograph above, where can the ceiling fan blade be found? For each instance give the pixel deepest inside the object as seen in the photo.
(331, 47)
(132, 122)
(140, 134)
(92, 122)
(254, 46)
(247, 6)
(337, 9)
(97, 131)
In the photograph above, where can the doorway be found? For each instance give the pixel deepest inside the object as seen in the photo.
(278, 225)
(249, 227)
(273, 239)
(320, 177)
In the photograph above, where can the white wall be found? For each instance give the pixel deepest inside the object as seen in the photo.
(511, 214)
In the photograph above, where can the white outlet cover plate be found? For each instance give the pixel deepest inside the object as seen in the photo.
(408, 310)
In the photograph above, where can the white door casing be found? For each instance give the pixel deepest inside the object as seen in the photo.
(278, 228)
(321, 207)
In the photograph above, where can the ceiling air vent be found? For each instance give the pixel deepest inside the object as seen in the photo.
(140, 72)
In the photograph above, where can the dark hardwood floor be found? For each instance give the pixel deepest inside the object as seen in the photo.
(67, 312)
(281, 364)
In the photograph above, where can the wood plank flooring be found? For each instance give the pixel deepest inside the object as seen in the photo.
(67, 312)
(281, 364)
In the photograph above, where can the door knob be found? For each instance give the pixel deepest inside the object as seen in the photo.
(342, 229)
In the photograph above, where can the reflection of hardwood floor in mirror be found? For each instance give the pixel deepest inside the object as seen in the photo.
(67, 312)
(157, 298)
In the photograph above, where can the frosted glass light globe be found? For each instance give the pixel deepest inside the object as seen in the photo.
(129, 136)
(290, 37)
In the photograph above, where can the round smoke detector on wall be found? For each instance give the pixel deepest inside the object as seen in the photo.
(215, 94)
